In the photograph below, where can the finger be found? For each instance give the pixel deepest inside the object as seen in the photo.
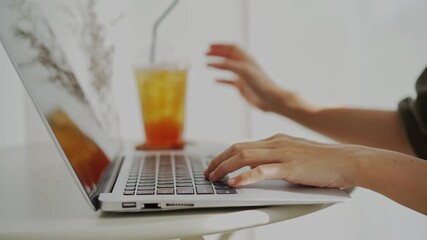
(228, 82)
(277, 136)
(231, 151)
(228, 51)
(237, 67)
(262, 172)
(247, 157)
(289, 139)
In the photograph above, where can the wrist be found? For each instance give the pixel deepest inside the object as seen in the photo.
(363, 160)
(291, 105)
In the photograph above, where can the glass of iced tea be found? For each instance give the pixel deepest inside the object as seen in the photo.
(162, 100)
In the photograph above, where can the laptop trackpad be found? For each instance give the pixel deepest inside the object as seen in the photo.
(282, 188)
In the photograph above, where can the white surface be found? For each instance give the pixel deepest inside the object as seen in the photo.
(40, 201)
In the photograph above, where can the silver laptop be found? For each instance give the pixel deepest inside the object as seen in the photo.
(111, 177)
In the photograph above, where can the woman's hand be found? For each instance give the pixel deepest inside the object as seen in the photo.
(293, 159)
(395, 175)
(251, 81)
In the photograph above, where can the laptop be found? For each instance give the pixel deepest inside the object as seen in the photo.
(110, 176)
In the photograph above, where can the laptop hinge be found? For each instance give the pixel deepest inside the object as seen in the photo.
(108, 180)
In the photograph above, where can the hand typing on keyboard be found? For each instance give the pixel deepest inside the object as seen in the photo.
(170, 174)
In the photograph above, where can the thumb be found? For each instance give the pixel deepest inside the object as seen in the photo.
(262, 172)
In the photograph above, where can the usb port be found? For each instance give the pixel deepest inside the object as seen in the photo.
(129, 205)
(151, 206)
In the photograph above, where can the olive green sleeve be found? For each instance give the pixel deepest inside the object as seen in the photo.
(413, 114)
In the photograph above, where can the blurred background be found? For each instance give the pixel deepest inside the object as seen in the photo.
(362, 53)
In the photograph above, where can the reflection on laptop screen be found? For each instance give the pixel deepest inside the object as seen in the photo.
(47, 57)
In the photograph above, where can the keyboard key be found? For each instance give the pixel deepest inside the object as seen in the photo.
(129, 189)
(204, 189)
(219, 183)
(147, 178)
(165, 182)
(129, 193)
(199, 175)
(202, 183)
(230, 191)
(165, 157)
(223, 188)
(184, 181)
(165, 186)
(165, 191)
(184, 184)
(146, 184)
(165, 178)
(184, 190)
(131, 185)
(183, 177)
(149, 159)
(182, 174)
(202, 176)
(165, 175)
(145, 192)
(145, 188)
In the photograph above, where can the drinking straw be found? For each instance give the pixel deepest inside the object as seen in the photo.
(154, 30)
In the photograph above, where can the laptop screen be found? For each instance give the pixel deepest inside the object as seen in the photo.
(64, 85)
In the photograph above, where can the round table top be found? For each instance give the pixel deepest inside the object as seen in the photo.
(39, 200)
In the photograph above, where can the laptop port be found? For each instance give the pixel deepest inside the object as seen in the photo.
(179, 204)
(151, 206)
(129, 205)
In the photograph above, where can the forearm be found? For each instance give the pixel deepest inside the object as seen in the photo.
(374, 128)
(400, 177)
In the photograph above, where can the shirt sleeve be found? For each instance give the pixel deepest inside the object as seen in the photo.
(413, 114)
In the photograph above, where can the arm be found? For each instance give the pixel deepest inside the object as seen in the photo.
(400, 177)
(374, 128)
(380, 129)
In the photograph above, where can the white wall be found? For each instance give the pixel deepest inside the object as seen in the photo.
(360, 53)
(310, 47)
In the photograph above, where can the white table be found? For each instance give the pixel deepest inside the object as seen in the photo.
(39, 200)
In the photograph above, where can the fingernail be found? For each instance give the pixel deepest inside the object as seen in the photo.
(231, 182)
(211, 175)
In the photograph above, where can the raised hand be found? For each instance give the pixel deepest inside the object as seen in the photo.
(251, 81)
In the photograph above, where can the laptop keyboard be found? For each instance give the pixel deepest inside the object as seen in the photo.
(172, 174)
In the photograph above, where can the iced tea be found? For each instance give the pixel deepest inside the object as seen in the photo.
(162, 98)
